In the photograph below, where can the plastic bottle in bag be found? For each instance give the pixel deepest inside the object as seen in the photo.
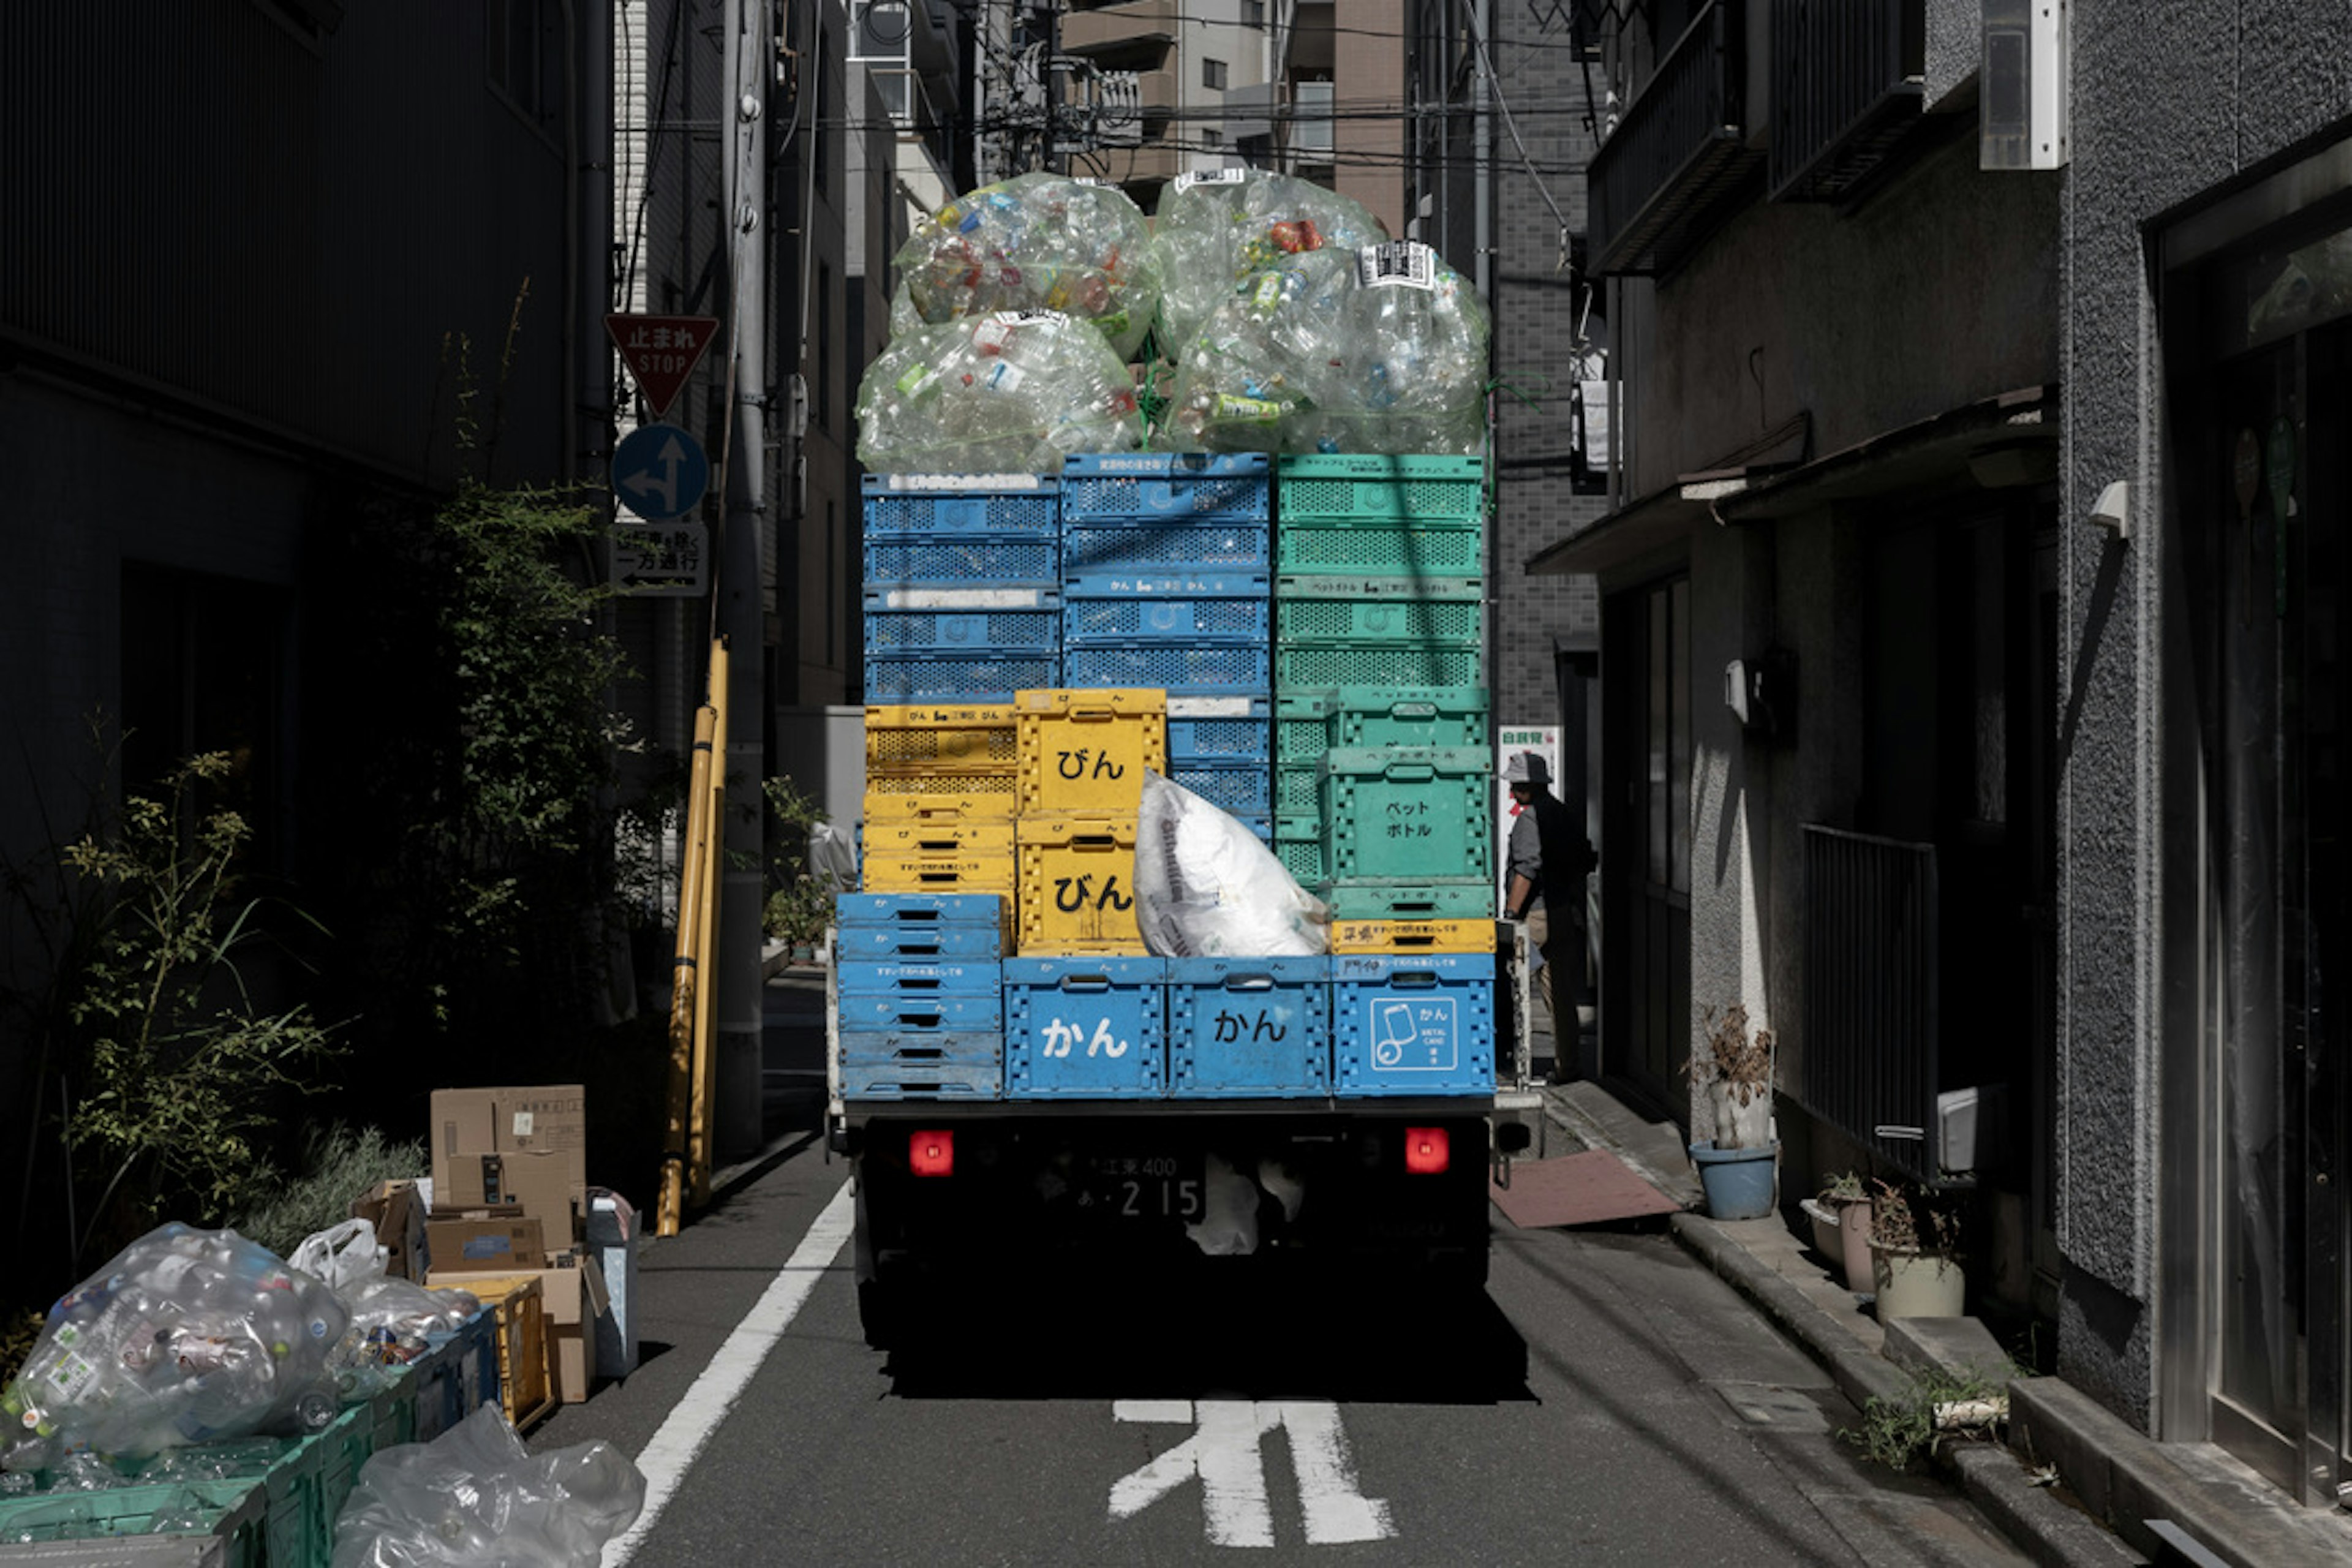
(1215, 229)
(1011, 393)
(1038, 241)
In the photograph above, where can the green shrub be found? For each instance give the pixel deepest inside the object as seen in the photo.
(339, 1163)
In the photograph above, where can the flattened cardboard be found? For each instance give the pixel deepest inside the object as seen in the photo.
(487, 1246)
(518, 1146)
(396, 1210)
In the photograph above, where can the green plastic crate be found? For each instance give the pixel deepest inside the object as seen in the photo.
(1409, 813)
(1406, 716)
(1379, 547)
(1375, 664)
(1426, 488)
(227, 1522)
(1299, 843)
(1300, 734)
(1298, 792)
(1354, 610)
(1449, 899)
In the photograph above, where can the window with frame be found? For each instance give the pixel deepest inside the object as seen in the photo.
(1213, 73)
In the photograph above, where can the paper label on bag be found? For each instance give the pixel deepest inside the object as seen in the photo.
(1405, 263)
(1226, 177)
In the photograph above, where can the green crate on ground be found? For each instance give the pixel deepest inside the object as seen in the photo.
(1393, 664)
(1409, 813)
(1428, 488)
(180, 1523)
(1379, 610)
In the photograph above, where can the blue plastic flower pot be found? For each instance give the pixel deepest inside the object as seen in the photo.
(1738, 1182)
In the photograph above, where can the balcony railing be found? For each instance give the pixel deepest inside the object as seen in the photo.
(1870, 1065)
(1847, 79)
(1680, 152)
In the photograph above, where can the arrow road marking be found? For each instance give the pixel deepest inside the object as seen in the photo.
(1223, 1452)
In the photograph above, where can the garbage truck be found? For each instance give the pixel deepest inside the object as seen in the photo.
(1116, 715)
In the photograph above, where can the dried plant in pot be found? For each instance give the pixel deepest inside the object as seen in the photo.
(1845, 1202)
(1915, 1251)
(1734, 1073)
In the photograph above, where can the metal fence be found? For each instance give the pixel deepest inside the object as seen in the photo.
(1869, 1064)
(1846, 87)
(1678, 148)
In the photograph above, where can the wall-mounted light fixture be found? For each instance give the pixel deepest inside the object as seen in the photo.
(2112, 512)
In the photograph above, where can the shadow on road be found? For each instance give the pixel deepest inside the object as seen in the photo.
(1237, 1337)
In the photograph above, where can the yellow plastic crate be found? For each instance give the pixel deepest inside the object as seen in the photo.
(924, 739)
(953, 838)
(519, 1305)
(914, 872)
(985, 797)
(1412, 936)
(1084, 752)
(1077, 885)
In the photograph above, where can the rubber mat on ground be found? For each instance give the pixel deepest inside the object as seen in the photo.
(1585, 1188)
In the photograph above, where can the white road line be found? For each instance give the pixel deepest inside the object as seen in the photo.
(673, 1450)
(1224, 1454)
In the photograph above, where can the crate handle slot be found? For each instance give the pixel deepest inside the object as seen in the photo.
(1249, 982)
(921, 1054)
(1095, 844)
(1413, 977)
(1413, 710)
(921, 1020)
(1086, 983)
(914, 916)
(1409, 773)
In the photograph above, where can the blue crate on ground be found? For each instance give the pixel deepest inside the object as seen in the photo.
(986, 677)
(1249, 1028)
(457, 1373)
(1243, 791)
(1167, 484)
(1086, 1027)
(909, 1064)
(958, 631)
(1179, 668)
(963, 559)
(961, 503)
(1410, 1024)
(1197, 742)
(898, 943)
(943, 1012)
(968, 977)
(1159, 557)
(1225, 607)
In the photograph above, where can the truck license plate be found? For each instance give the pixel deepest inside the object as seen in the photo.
(1147, 1187)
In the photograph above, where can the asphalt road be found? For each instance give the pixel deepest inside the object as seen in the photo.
(1605, 1400)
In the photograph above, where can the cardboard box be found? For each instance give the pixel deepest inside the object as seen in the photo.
(486, 1245)
(526, 1146)
(396, 1210)
(574, 1296)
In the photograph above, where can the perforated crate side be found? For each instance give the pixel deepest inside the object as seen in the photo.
(1336, 547)
(1299, 843)
(1408, 716)
(1176, 667)
(1431, 489)
(962, 632)
(1456, 621)
(956, 559)
(1396, 664)
(1149, 553)
(1166, 484)
(1198, 740)
(1243, 791)
(939, 679)
(929, 740)
(986, 503)
(1089, 618)
(1298, 792)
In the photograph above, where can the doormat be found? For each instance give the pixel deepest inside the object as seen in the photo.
(1576, 1189)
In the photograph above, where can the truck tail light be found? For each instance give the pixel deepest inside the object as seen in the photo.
(931, 1154)
(1427, 1151)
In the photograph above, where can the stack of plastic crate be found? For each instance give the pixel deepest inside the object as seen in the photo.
(963, 586)
(1166, 583)
(917, 996)
(1082, 755)
(1383, 781)
(942, 785)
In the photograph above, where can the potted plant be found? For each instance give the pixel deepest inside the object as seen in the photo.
(1847, 1203)
(1914, 1252)
(1734, 1074)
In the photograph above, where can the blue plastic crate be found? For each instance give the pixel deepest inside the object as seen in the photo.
(959, 558)
(986, 679)
(1090, 1028)
(1243, 791)
(1178, 668)
(918, 941)
(916, 910)
(961, 503)
(1150, 554)
(905, 1064)
(1249, 1028)
(1195, 742)
(457, 1373)
(959, 631)
(1167, 484)
(1233, 608)
(938, 1012)
(918, 978)
(1417, 1024)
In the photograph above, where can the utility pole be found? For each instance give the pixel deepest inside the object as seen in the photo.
(749, 54)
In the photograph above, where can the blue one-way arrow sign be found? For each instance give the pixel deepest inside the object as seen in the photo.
(660, 471)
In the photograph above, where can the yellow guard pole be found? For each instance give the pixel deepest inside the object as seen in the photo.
(705, 1049)
(684, 976)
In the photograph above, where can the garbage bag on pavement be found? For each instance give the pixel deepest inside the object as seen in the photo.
(1206, 887)
(1215, 229)
(186, 1336)
(1034, 242)
(1381, 349)
(1011, 393)
(475, 1497)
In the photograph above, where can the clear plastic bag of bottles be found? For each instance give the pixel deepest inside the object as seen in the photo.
(1035, 242)
(1381, 349)
(475, 1497)
(1215, 229)
(1012, 393)
(187, 1336)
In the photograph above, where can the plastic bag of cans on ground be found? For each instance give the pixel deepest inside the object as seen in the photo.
(1035, 242)
(1015, 392)
(1378, 350)
(1216, 228)
(188, 1336)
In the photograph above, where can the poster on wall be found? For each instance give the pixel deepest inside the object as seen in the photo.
(1543, 740)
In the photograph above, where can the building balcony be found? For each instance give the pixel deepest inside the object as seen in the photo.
(917, 40)
(1680, 157)
(1847, 88)
(1088, 28)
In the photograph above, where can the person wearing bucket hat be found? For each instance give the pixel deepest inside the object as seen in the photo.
(1548, 859)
